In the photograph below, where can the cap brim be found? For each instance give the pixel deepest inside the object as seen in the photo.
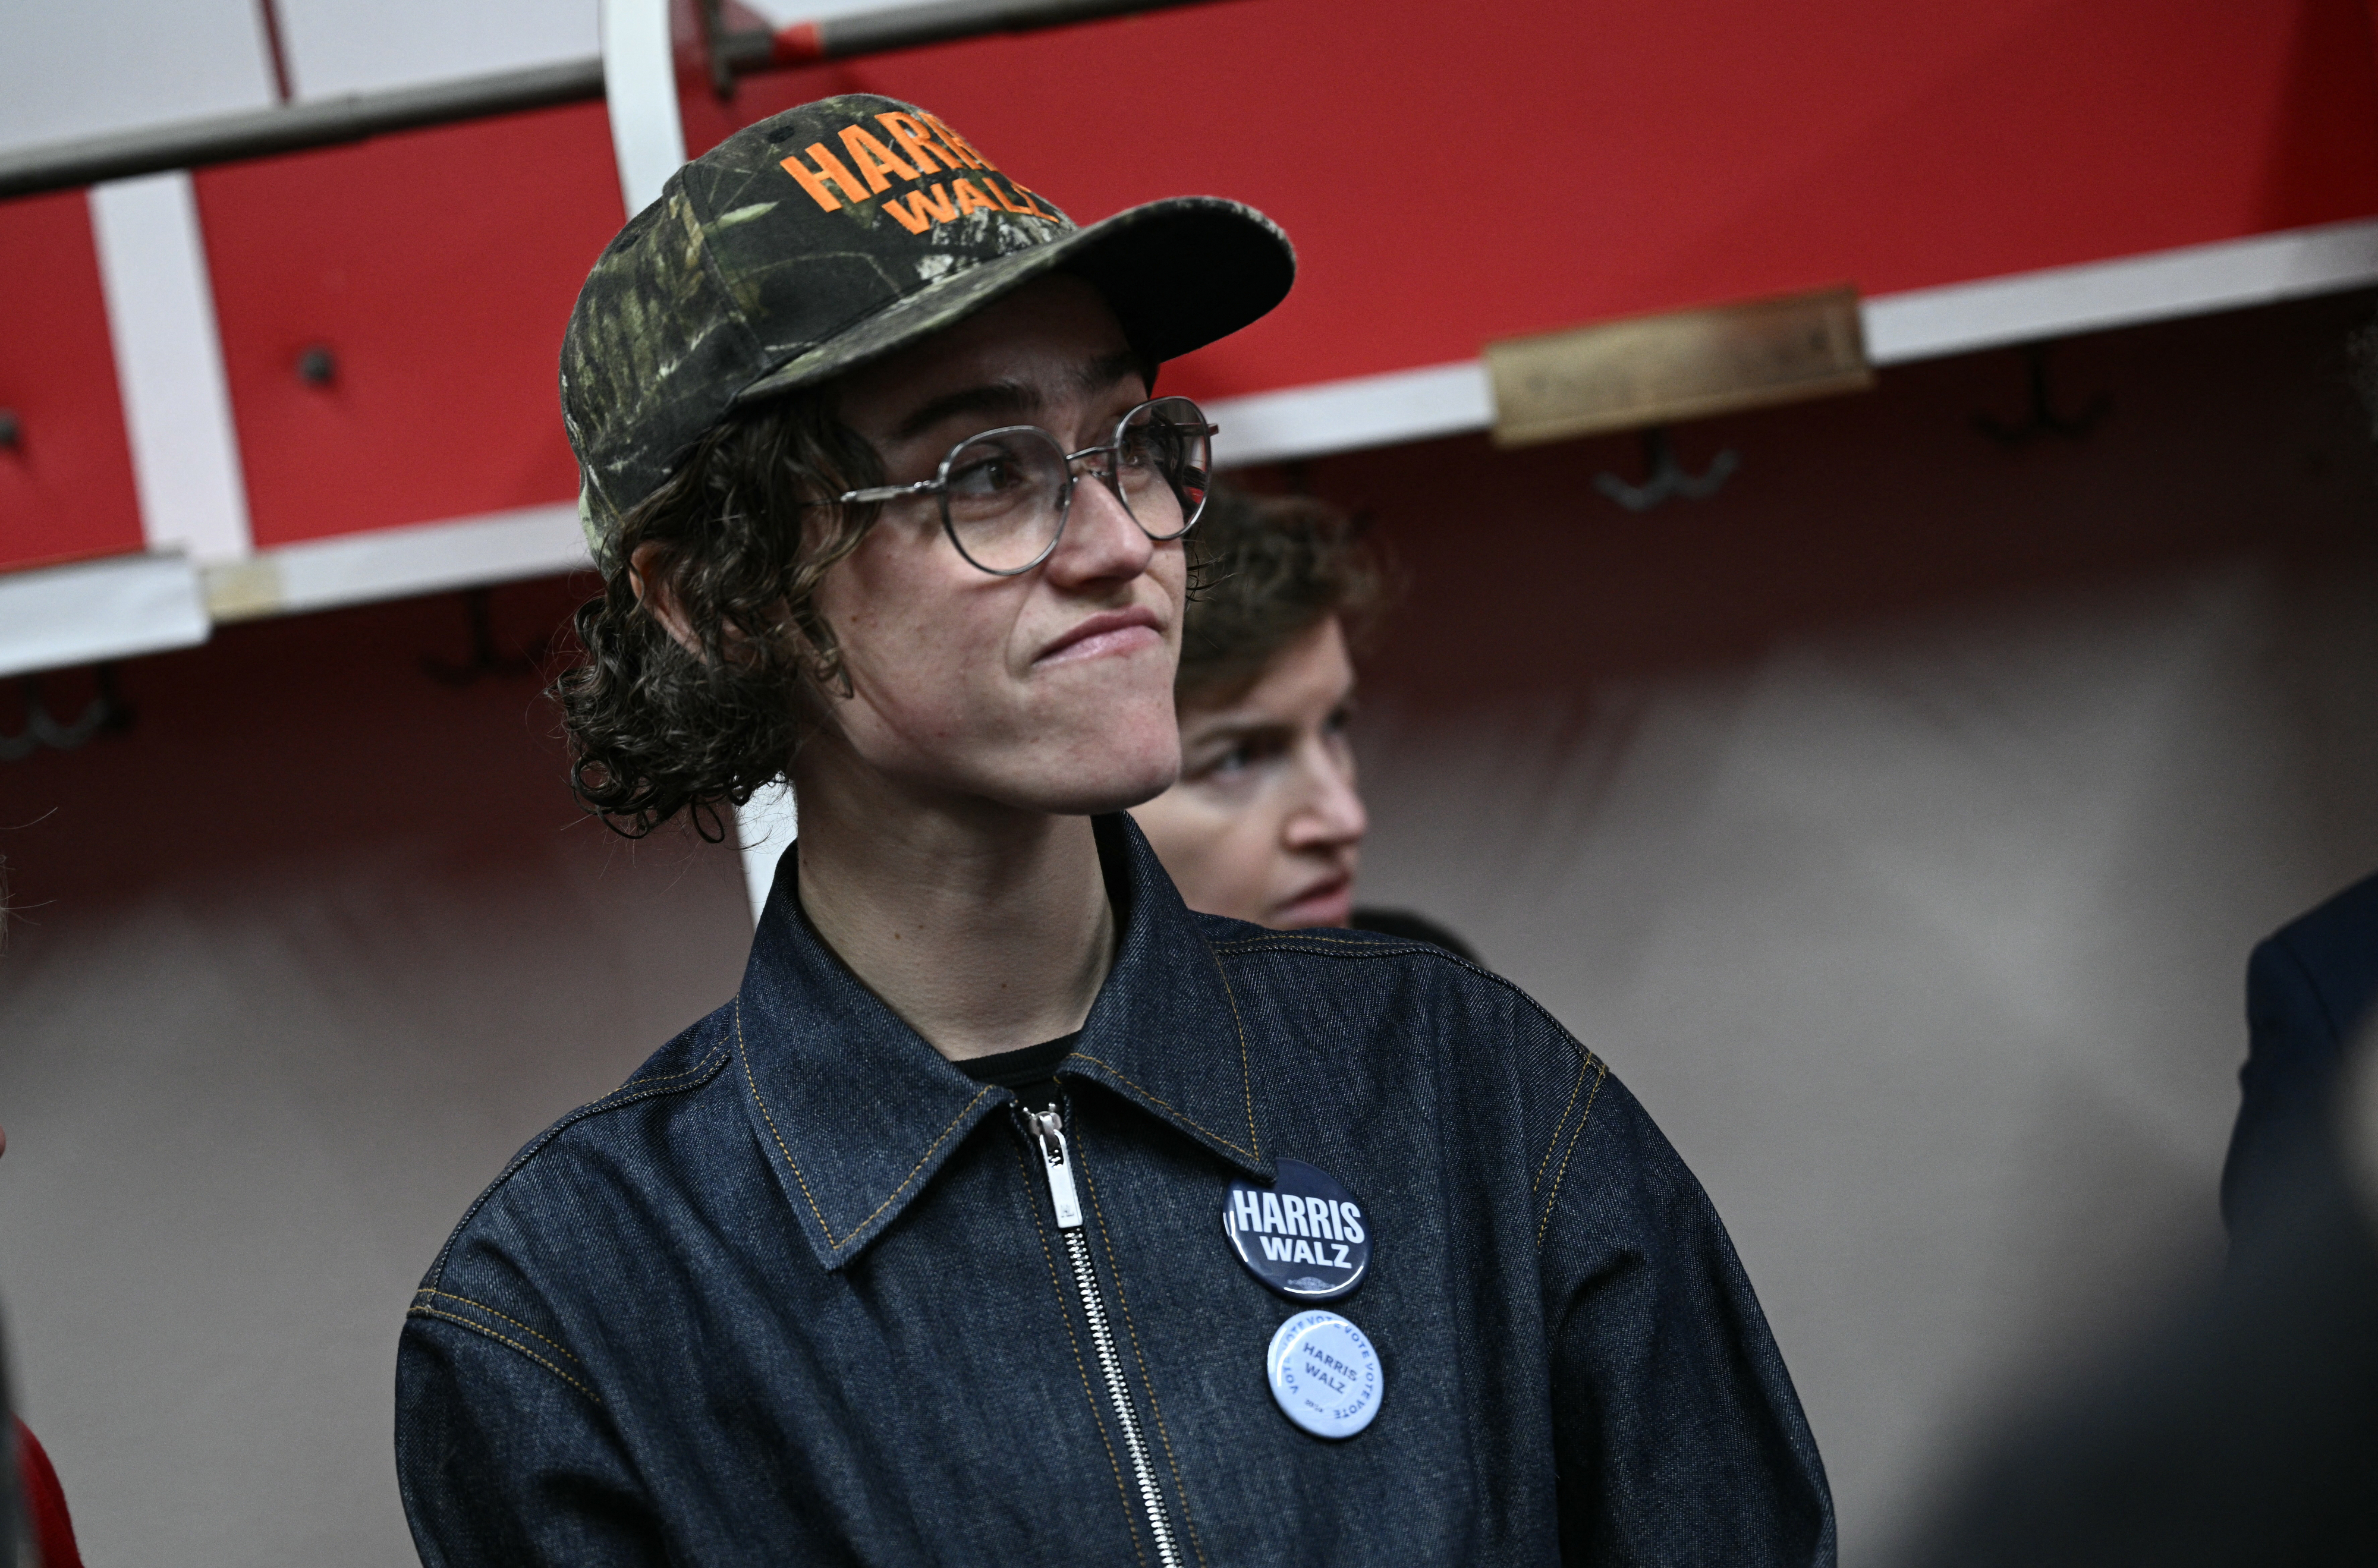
(1178, 274)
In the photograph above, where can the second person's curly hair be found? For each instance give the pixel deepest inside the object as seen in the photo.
(1268, 569)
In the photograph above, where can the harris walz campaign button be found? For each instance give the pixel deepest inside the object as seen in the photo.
(1304, 1236)
(1325, 1374)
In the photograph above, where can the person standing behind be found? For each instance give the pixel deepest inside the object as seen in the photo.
(1265, 824)
(2309, 990)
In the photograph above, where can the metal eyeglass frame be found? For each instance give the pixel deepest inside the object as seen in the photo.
(939, 485)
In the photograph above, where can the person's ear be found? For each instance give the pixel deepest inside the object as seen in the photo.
(658, 596)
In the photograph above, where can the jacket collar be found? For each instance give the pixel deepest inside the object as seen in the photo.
(855, 1113)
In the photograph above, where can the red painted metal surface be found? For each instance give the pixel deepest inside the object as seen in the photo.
(65, 487)
(438, 269)
(1451, 175)
(1457, 174)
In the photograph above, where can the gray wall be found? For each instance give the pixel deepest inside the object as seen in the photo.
(301, 961)
(1925, 947)
(1896, 823)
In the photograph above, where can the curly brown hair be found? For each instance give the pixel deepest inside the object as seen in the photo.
(1268, 569)
(744, 532)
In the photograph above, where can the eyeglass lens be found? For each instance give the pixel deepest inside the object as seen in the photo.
(1005, 493)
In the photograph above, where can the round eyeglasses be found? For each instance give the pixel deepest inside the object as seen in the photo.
(1005, 494)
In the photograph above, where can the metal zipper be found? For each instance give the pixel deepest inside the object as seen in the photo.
(1047, 1129)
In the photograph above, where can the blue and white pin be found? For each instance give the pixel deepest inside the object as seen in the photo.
(1304, 1236)
(1325, 1374)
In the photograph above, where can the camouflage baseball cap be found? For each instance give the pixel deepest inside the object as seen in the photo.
(832, 234)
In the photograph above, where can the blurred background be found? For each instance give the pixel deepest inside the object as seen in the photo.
(1896, 815)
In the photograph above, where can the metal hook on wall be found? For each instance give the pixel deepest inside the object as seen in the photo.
(484, 660)
(1663, 477)
(2041, 418)
(103, 715)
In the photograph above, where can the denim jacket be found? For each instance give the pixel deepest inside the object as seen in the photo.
(799, 1291)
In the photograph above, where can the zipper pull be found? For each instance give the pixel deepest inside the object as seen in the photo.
(1049, 1132)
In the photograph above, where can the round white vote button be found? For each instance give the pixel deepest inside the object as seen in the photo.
(1325, 1374)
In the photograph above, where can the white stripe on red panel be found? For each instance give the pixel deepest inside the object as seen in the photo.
(1447, 400)
(640, 88)
(1361, 410)
(2095, 297)
(54, 618)
(169, 366)
(391, 563)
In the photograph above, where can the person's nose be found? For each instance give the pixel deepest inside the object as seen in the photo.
(1331, 816)
(1101, 542)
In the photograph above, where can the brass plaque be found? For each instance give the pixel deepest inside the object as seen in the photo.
(1678, 364)
(242, 591)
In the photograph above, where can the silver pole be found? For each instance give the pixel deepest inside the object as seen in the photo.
(936, 21)
(257, 133)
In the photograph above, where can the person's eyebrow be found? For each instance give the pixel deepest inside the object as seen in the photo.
(1243, 731)
(1107, 369)
(998, 397)
(1014, 397)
